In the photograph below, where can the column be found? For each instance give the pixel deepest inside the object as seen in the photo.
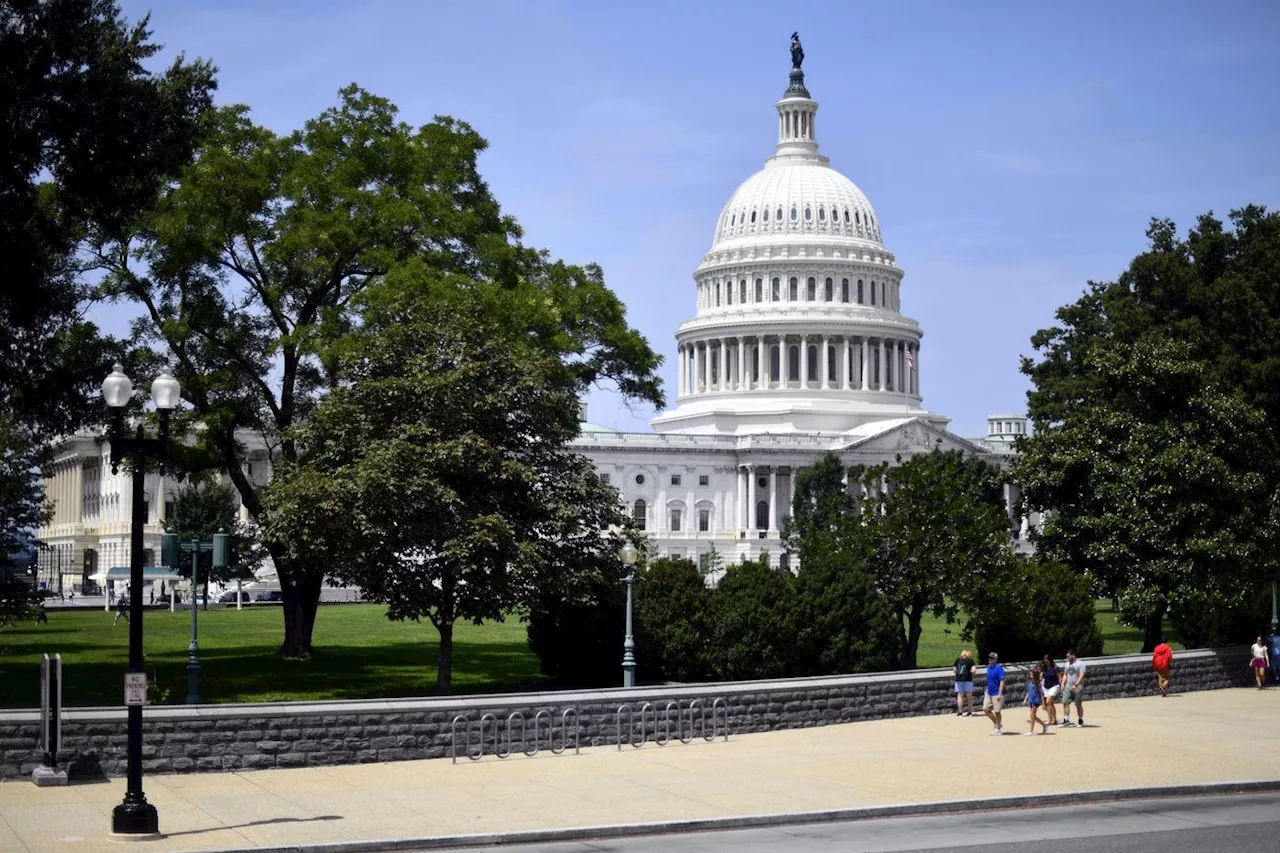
(690, 513)
(683, 383)
(784, 368)
(915, 374)
(773, 500)
(722, 378)
(741, 372)
(865, 373)
(804, 361)
(741, 498)
(762, 378)
(706, 367)
(791, 492)
(846, 363)
(891, 368)
(693, 368)
(823, 361)
(159, 502)
(751, 501)
(881, 365)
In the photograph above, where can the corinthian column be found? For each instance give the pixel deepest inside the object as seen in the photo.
(823, 361)
(846, 363)
(865, 373)
(883, 368)
(804, 361)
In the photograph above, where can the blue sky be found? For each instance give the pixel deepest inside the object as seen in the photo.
(1013, 151)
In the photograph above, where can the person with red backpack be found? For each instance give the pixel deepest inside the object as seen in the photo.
(1161, 661)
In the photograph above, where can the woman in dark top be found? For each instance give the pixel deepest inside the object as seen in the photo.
(964, 682)
(1052, 678)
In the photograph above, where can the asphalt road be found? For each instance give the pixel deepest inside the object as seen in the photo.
(1232, 824)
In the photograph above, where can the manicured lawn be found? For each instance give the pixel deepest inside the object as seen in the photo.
(359, 654)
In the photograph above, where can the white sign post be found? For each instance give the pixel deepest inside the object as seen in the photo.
(135, 688)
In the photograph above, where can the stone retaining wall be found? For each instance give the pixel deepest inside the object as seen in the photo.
(299, 734)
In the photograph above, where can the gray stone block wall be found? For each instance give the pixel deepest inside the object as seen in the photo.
(179, 739)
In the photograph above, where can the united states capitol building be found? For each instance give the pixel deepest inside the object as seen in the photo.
(798, 347)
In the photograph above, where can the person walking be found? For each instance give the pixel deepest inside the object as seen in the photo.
(41, 615)
(993, 700)
(122, 609)
(1273, 649)
(1261, 660)
(1051, 682)
(1073, 690)
(964, 683)
(1035, 697)
(1161, 662)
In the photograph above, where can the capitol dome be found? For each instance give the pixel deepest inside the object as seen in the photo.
(786, 199)
(798, 327)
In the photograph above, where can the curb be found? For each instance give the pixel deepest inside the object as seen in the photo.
(586, 833)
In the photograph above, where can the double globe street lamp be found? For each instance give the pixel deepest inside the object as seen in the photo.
(135, 816)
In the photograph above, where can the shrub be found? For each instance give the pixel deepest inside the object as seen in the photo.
(754, 631)
(1202, 622)
(674, 606)
(843, 623)
(1033, 607)
(578, 639)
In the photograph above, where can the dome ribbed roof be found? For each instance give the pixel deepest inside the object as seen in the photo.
(810, 197)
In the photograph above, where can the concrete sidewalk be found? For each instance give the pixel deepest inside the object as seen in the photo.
(1191, 738)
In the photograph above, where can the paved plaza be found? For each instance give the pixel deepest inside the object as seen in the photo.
(1210, 737)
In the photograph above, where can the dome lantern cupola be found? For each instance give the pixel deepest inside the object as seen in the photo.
(796, 113)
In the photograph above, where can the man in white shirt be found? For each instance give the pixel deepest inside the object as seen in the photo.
(1072, 690)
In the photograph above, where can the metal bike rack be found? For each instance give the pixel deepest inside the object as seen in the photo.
(462, 722)
(697, 711)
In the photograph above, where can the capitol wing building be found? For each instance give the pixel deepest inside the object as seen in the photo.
(798, 347)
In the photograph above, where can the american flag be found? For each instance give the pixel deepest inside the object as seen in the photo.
(911, 360)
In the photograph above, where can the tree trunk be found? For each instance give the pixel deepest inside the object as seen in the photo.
(914, 628)
(206, 593)
(444, 670)
(299, 601)
(1152, 631)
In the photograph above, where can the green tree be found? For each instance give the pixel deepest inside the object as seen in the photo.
(754, 633)
(447, 444)
(844, 624)
(673, 604)
(87, 135)
(1154, 407)
(250, 268)
(939, 527)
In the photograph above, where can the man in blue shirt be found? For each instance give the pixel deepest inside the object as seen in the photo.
(993, 701)
(1273, 647)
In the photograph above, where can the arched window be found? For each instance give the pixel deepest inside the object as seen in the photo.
(793, 363)
(873, 293)
(857, 219)
(766, 214)
(808, 214)
(832, 375)
(779, 216)
(811, 289)
(732, 219)
(828, 293)
(742, 291)
(846, 216)
(753, 353)
(844, 290)
(777, 290)
(753, 217)
(728, 293)
(813, 364)
(859, 291)
(793, 289)
(762, 515)
(759, 290)
(775, 366)
(717, 294)
(638, 513)
(822, 214)
(794, 214)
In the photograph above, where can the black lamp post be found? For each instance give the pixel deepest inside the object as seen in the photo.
(220, 547)
(135, 815)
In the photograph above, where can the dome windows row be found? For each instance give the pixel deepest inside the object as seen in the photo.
(856, 223)
(761, 291)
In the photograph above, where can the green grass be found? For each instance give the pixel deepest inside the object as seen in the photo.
(359, 653)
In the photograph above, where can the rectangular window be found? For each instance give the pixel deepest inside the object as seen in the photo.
(704, 479)
(168, 510)
(704, 520)
(675, 520)
(675, 479)
(604, 478)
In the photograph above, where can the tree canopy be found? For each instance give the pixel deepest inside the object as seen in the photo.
(1154, 413)
(252, 267)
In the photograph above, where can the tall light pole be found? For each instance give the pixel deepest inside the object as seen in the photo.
(628, 555)
(220, 547)
(136, 816)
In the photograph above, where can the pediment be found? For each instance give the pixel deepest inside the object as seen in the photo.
(913, 436)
